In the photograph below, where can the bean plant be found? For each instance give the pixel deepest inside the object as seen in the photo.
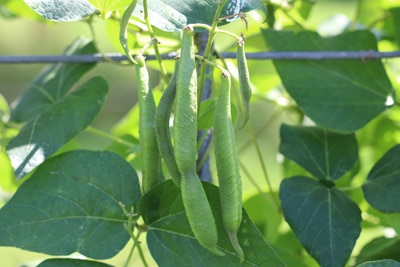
(228, 160)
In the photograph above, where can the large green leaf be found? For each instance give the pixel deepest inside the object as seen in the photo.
(52, 83)
(171, 241)
(42, 136)
(380, 248)
(173, 15)
(61, 10)
(341, 95)
(380, 263)
(72, 203)
(324, 219)
(71, 262)
(382, 189)
(325, 154)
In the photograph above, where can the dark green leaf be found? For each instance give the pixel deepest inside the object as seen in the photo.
(382, 189)
(325, 220)
(71, 203)
(341, 95)
(381, 263)
(173, 15)
(171, 241)
(61, 10)
(53, 83)
(42, 136)
(71, 262)
(325, 154)
(380, 248)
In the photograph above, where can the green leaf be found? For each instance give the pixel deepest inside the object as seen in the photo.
(381, 263)
(173, 15)
(380, 248)
(171, 241)
(105, 6)
(71, 262)
(382, 189)
(324, 219)
(325, 154)
(71, 203)
(61, 10)
(395, 12)
(341, 95)
(53, 83)
(42, 136)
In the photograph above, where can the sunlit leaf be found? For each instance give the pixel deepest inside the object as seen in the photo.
(173, 15)
(72, 203)
(171, 241)
(42, 136)
(325, 154)
(61, 10)
(324, 219)
(382, 189)
(341, 95)
(53, 83)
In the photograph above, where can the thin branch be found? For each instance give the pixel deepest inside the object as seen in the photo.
(300, 55)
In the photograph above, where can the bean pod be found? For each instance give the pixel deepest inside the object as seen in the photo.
(230, 185)
(151, 158)
(197, 207)
(244, 80)
(163, 114)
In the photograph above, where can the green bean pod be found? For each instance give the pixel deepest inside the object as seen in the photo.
(197, 207)
(163, 114)
(151, 158)
(244, 81)
(230, 185)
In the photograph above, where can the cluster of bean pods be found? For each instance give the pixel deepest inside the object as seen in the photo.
(180, 157)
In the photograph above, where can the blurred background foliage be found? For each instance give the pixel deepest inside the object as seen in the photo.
(23, 32)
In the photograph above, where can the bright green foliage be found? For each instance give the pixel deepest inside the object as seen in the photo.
(62, 10)
(326, 155)
(324, 219)
(72, 203)
(382, 189)
(52, 84)
(341, 95)
(170, 228)
(45, 134)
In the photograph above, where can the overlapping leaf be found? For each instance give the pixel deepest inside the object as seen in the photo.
(171, 241)
(325, 154)
(173, 15)
(382, 189)
(341, 95)
(325, 220)
(71, 262)
(53, 83)
(380, 263)
(61, 10)
(42, 136)
(71, 203)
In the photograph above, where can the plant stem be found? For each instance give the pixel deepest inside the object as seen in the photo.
(155, 44)
(207, 52)
(111, 137)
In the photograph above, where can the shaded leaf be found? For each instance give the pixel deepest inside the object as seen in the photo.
(53, 83)
(381, 263)
(380, 248)
(325, 154)
(173, 15)
(341, 95)
(42, 136)
(71, 262)
(324, 219)
(382, 189)
(71, 204)
(61, 10)
(395, 12)
(171, 241)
